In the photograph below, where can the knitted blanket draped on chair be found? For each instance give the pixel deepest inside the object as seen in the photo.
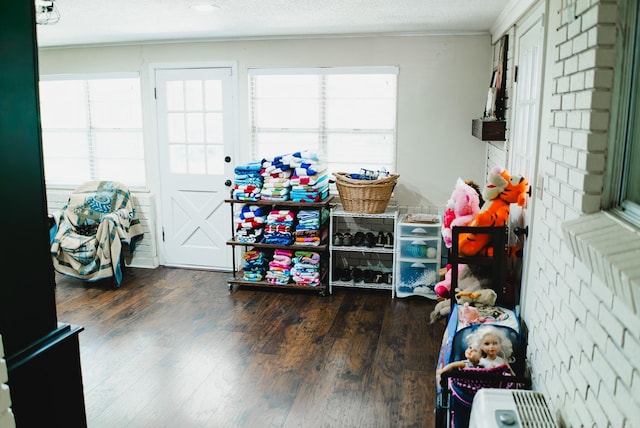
(87, 238)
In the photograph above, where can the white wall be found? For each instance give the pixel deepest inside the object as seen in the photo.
(441, 88)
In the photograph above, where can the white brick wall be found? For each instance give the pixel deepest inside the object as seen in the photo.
(6, 416)
(145, 254)
(581, 296)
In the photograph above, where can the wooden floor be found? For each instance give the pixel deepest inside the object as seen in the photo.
(174, 348)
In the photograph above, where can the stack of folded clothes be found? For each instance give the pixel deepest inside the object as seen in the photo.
(255, 266)
(306, 268)
(250, 221)
(310, 180)
(247, 185)
(308, 227)
(279, 227)
(275, 174)
(280, 267)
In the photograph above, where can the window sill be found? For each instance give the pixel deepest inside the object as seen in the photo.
(610, 248)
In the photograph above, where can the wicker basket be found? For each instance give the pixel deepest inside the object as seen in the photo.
(365, 196)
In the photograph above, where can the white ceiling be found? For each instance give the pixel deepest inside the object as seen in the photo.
(87, 22)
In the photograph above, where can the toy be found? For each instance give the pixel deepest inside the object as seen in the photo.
(470, 278)
(461, 208)
(469, 315)
(486, 297)
(443, 288)
(472, 355)
(496, 348)
(501, 191)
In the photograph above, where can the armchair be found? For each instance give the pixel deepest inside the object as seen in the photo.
(87, 237)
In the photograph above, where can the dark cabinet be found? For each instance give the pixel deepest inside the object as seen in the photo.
(42, 355)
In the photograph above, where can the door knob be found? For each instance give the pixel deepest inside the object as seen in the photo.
(227, 183)
(521, 231)
(227, 159)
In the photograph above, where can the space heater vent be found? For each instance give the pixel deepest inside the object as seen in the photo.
(533, 409)
(508, 408)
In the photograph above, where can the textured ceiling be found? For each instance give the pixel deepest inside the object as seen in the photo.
(85, 22)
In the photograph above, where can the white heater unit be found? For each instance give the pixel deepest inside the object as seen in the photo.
(510, 408)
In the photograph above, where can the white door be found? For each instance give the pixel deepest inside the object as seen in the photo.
(195, 147)
(523, 151)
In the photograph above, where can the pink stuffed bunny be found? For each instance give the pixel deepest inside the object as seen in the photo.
(462, 207)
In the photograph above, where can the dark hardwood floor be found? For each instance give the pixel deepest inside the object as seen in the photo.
(174, 348)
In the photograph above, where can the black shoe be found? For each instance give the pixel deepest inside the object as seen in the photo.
(369, 240)
(338, 239)
(347, 239)
(358, 239)
(380, 241)
(356, 274)
(345, 274)
(388, 243)
(378, 277)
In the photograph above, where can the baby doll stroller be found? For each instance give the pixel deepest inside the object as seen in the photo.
(455, 389)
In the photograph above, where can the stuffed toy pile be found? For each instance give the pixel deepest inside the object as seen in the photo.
(501, 191)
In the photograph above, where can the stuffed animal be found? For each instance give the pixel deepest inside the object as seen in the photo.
(501, 191)
(443, 288)
(462, 207)
(485, 296)
(471, 278)
(469, 315)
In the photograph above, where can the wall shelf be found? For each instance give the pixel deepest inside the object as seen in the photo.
(489, 130)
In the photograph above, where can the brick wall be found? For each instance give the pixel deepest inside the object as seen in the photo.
(582, 285)
(6, 416)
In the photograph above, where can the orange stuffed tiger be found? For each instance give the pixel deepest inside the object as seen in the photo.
(501, 191)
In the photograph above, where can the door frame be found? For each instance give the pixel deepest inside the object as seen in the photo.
(538, 12)
(151, 143)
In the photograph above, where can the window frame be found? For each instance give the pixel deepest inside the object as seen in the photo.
(102, 76)
(324, 132)
(624, 125)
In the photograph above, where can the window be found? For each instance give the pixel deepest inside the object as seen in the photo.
(92, 129)
(625, 153)
(347, 115)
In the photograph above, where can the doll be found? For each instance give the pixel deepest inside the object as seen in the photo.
(472, 355)
(495, 347)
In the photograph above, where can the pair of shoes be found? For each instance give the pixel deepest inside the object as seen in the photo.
(358, 239)
(338, 239)
(388, 278)
(356, 274)
(347, 239)
(377, 276)
(381, 240)
(388, 243)
(342, 274)
(369, 240)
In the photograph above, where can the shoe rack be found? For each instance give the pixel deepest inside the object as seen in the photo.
(362, 248)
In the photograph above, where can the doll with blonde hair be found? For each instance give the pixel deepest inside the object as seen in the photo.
(494, 345)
